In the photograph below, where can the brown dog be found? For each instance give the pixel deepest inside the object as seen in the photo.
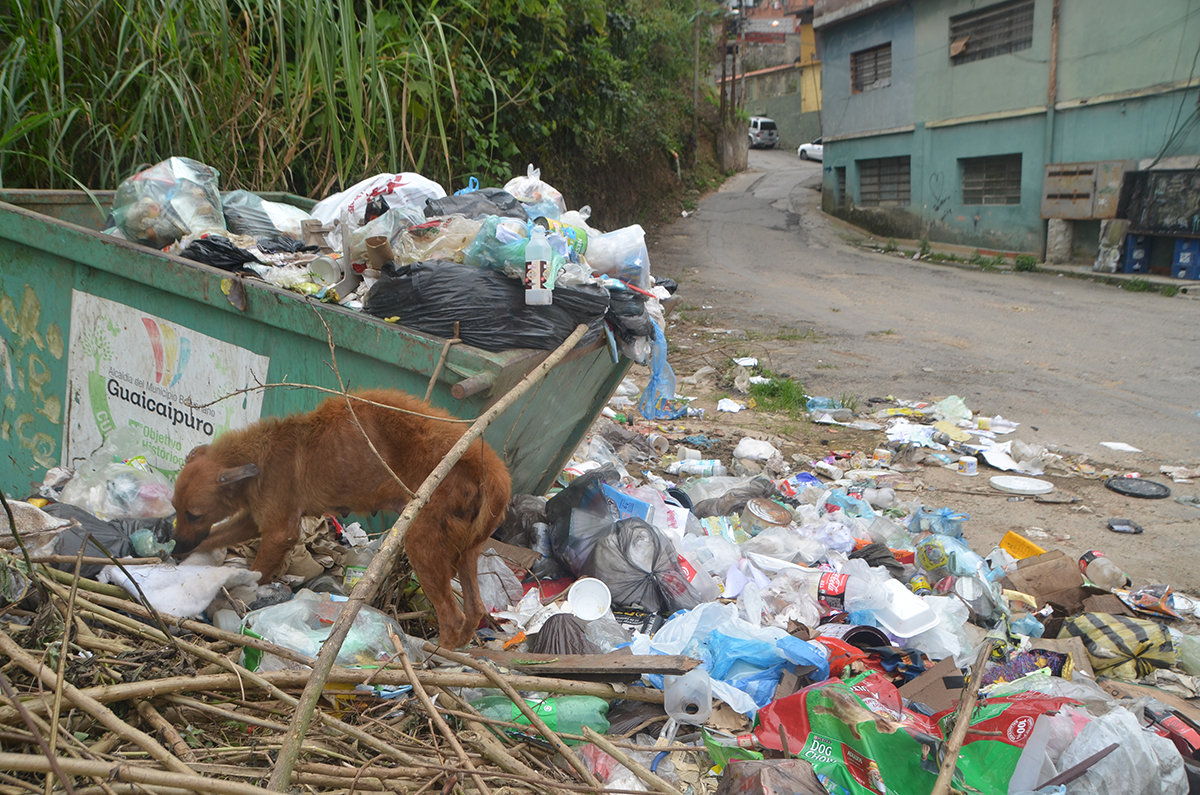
(263, 478)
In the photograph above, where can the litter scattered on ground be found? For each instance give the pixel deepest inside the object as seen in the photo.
(679, 614)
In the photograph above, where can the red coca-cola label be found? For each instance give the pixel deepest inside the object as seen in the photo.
(831, 590)
(1087, 558)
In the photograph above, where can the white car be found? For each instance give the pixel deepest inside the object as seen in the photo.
(813, 151)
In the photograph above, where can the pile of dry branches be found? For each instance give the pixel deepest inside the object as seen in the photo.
(103, 695)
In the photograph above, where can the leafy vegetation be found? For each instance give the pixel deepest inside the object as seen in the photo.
(1137, 285)
(1025, 262)
(781, 394)
(309, 97)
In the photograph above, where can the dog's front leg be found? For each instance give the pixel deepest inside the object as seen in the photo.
(280, 532)
(238, 529)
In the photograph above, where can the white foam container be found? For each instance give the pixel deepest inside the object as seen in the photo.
(907, 615)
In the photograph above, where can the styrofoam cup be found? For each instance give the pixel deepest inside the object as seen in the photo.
(589, 598)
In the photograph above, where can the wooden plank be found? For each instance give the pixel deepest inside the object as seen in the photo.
(618, 666)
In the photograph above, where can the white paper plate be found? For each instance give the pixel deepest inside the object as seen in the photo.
(1017, 485)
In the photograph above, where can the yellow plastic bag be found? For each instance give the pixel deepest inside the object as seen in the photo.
(1120, 646)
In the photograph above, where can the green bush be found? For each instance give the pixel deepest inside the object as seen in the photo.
(1025, 262)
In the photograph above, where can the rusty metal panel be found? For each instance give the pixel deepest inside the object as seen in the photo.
(1069, 190)
(1080, 191)
(1165, 203)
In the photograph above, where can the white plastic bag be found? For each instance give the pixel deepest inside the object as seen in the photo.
(398, 190)
(1143, 764)
(947, 639)
(498, 586)
(530, 189)
(622, 254)
(755, 450)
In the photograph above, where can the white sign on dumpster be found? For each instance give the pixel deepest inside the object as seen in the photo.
(127, 368)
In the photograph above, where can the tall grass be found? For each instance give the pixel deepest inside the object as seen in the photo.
(276, 94)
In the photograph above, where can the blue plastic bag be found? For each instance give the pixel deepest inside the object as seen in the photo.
(658, 401)
(727, 651)
(799, 652)
(943, 521)
(853, 506)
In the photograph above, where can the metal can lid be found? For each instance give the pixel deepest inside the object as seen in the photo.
(768, 511)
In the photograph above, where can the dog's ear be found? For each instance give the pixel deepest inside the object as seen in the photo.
(196, 453)
(234, 474)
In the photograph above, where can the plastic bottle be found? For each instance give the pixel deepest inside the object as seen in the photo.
(355, 564)
(705, 468)
(840, 591)
(1101, 571)
(562, 714)
(689, 697)
(537, 268)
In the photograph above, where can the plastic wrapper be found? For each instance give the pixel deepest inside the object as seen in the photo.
(445, 238)
(622, 254)
(640, 566)
(432, 296)
(397, 190)
(167, 201)
(608, 634)
(1120, 646)
(477, 204)
(1142, 764)
(304, 624)
(530, 190)
(498, 586)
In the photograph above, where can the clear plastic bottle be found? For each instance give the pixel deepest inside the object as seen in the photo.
(705, 468)
(355, 565)
(1101, 571)
(689, 697)
(537, 268)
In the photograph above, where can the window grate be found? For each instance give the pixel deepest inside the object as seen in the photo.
(884, 182)
(871, 69)
(841, 185)
(991, 180)
(991, 31)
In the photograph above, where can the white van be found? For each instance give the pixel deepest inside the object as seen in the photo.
(763, 132)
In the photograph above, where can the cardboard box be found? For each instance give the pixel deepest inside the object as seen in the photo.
(938, 688)
(1073, 646)
(1051, 577)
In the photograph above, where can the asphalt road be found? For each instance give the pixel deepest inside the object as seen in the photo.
(1075, 362)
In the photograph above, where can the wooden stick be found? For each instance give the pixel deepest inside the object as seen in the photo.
(384, 562)
(116, 771)
(437, 370)
(151, 688)
(165, 730)
(91, 707)
(962, 722)
(87, 561)
(37, 735)
(648, 778)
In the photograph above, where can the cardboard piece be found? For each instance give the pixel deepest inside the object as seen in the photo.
(1107, 603)
(1050, 577)
(1073, 646)
(513, 554)
(938, 688)
(1120, 689)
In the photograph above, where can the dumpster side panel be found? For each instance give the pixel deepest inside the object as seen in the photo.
(35, 303)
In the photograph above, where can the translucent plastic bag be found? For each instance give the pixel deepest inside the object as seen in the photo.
(167, 201)
(641, 568)
(392, 225)
(304, 624)
(785, 543)
(249, 214)
(1143, 764)
(658, 401)
(121, 491)
(500, 246)
(622, 254)
(530, 190)
(498, 586)
(445, 238)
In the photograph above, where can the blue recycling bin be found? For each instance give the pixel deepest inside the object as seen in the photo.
(1186, 264)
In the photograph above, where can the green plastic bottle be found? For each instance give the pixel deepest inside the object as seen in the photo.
(567, 714)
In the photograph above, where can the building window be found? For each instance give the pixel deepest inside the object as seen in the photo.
(883, 182)
(991, 180)
(995, 30)
(840, 171)
(871, 68)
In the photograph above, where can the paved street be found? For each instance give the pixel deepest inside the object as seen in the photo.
(1076, 363)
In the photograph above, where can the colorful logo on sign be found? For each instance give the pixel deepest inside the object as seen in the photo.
(171, 352)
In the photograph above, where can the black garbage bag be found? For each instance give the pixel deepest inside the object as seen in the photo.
(525, 525)
(641, 568)
(734, 500)
(219, 252)
(490, 307)
(628, 316)
(477, 204)
(112, 534)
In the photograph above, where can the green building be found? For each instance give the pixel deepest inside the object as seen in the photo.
(974, 122)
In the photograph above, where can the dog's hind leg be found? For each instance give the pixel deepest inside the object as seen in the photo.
(433, 561)
(468, 578)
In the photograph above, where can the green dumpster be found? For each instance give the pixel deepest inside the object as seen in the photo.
(101, 334)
